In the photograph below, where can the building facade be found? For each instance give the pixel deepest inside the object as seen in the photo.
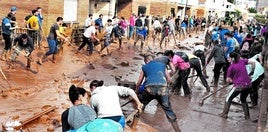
(70, 10)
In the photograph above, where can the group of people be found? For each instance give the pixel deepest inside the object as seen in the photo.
(102, 113)
(238, 51)
(25, 43)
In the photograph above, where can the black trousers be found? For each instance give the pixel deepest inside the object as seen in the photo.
(254, 89)
(88, 42)
(194, 62)
(225, 68)
(217, 71)
(182, 80)
(7, 39)
(201, 55)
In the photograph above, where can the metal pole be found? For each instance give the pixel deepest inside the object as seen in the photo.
(112, 8)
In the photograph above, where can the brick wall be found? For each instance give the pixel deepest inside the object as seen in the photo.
(153, 7)
(158, 8)
(125, 10)
(51, 9)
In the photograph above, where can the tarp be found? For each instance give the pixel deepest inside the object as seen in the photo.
(101, 125)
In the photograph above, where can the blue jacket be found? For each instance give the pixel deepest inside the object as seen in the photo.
(143, 32)
(238, 37)
(223, 40)
(6, 25)
(99, 21)
(154, 73)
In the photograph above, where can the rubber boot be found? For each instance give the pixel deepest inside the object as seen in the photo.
(225, 111)
(141, 46)
(54, 58)
(246, 110)
(28, 66)
(4, 55)
(120, 44)
(254, 98)
(175, 126)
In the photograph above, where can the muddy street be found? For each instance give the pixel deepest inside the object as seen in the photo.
(32, 92)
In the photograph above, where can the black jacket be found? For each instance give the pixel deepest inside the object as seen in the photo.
(29, 45)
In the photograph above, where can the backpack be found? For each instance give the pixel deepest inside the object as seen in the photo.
(183, 55)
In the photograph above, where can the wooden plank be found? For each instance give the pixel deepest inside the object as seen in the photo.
(28, 120)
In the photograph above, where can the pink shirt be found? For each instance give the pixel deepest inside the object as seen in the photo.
(132, 21)
(180, 63)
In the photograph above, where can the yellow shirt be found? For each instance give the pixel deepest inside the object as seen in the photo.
(61, 29)
(190, 56)
(33, 22)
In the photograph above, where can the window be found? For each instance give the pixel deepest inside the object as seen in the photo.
(141, 10)
(70, 10)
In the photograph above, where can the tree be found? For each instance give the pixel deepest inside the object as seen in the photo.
(231, 1)
(252, 10)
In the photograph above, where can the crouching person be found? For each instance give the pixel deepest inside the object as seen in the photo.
(105, 100)
(22, 42)
(80, 113)
(82, 118)
(156, 78)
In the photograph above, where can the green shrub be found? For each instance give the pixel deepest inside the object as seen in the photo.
(252, 10)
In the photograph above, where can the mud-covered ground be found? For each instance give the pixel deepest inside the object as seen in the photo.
(32, 91)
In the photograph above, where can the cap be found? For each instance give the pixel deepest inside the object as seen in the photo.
(13, 8)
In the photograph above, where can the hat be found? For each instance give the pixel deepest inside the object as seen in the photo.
(13, 8)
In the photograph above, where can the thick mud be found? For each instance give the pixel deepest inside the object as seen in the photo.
(47, 85)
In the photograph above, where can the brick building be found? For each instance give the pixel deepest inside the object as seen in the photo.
(77, 10)
(125, 8)
(71, 10)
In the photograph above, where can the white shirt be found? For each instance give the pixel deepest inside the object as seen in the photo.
(106, 100)
(258, 71)
(210, 28)
(171, 24)
(89, 31)
(156, 24)
(108, 29)
(88, 22)
(199, 47)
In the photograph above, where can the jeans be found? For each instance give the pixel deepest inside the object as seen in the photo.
(52, 47)
(119, 119)
(131, 29)
(16, 53)
(161, 94)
